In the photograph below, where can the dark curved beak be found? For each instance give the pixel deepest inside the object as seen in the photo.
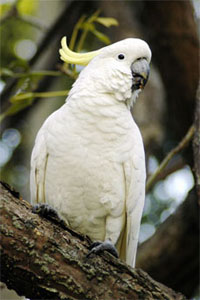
(140, 71)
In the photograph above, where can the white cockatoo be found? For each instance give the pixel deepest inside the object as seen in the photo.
(88, 161)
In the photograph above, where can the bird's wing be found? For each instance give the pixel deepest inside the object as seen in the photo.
(39, 161)
(135, 175)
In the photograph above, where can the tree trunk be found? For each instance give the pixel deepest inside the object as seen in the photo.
(41, 260)
(171, 30)
(196, 144)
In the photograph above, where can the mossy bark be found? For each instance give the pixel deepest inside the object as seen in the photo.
(41, 260)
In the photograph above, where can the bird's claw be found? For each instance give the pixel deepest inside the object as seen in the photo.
(98, 247)
(44, 210)
(48, 212)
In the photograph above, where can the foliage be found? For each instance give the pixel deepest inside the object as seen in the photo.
(12, 17)
(27, 81)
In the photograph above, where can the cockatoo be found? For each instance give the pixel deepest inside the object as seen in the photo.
(88, 161)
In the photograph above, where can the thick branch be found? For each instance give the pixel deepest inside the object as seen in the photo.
(171, 255)
(43, 261)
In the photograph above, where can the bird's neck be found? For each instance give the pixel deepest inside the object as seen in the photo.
(101, 88)
(96, 104)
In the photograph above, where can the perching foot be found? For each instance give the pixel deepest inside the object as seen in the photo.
(98, 247)
(48, 212)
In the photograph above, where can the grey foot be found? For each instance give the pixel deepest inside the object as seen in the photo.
(98, 247)
(48, 212)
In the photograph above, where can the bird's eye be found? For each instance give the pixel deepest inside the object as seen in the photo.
(121, 56)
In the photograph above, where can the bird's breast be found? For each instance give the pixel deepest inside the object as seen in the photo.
(85, 167)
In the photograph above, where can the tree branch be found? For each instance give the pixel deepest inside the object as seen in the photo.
(43, 261)
(183, 143)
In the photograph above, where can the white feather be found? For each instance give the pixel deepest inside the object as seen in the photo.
(88, 160)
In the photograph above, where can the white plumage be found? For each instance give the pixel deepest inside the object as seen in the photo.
(88, 160)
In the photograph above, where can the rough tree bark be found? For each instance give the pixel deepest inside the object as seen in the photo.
(43, 261)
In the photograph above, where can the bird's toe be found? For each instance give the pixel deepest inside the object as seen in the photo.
(98, 247)
(48, 212)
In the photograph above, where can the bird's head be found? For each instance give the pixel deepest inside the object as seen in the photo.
(121, 69)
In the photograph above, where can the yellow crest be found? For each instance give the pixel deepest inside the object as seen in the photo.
(72, 57)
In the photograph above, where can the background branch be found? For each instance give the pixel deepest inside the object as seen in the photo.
(183, 143)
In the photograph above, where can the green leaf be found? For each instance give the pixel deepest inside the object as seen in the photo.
(26, 85)
(19, 64)
(15, 108)
(21, 97)
(25, 96)
(6, 72)
(75, 32)
(27, 7)
(22, 100)
(107, 22)
(102, 37)
(87, 26)
(51, 94)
